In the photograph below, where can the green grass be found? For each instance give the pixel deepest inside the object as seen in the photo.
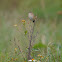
(48, 26)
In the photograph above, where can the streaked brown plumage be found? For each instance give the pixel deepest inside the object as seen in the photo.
(32, 17)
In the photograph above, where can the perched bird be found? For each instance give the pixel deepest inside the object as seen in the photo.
(32, 17)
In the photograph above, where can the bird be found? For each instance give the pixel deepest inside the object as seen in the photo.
(32, 17)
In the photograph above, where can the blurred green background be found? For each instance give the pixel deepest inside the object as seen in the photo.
(48, 24)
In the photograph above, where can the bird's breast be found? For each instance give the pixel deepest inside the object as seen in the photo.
(30, 16)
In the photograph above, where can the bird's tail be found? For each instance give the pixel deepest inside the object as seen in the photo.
(34, 19)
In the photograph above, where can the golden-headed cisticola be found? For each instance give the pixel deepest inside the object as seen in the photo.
(32, 17)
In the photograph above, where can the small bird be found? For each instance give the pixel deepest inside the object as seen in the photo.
(32, 17)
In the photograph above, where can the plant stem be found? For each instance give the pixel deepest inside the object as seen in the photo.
(30, 41)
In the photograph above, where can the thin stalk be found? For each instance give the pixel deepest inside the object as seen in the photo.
(30, 41)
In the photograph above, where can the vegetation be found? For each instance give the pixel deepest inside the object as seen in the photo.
(15, 30)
